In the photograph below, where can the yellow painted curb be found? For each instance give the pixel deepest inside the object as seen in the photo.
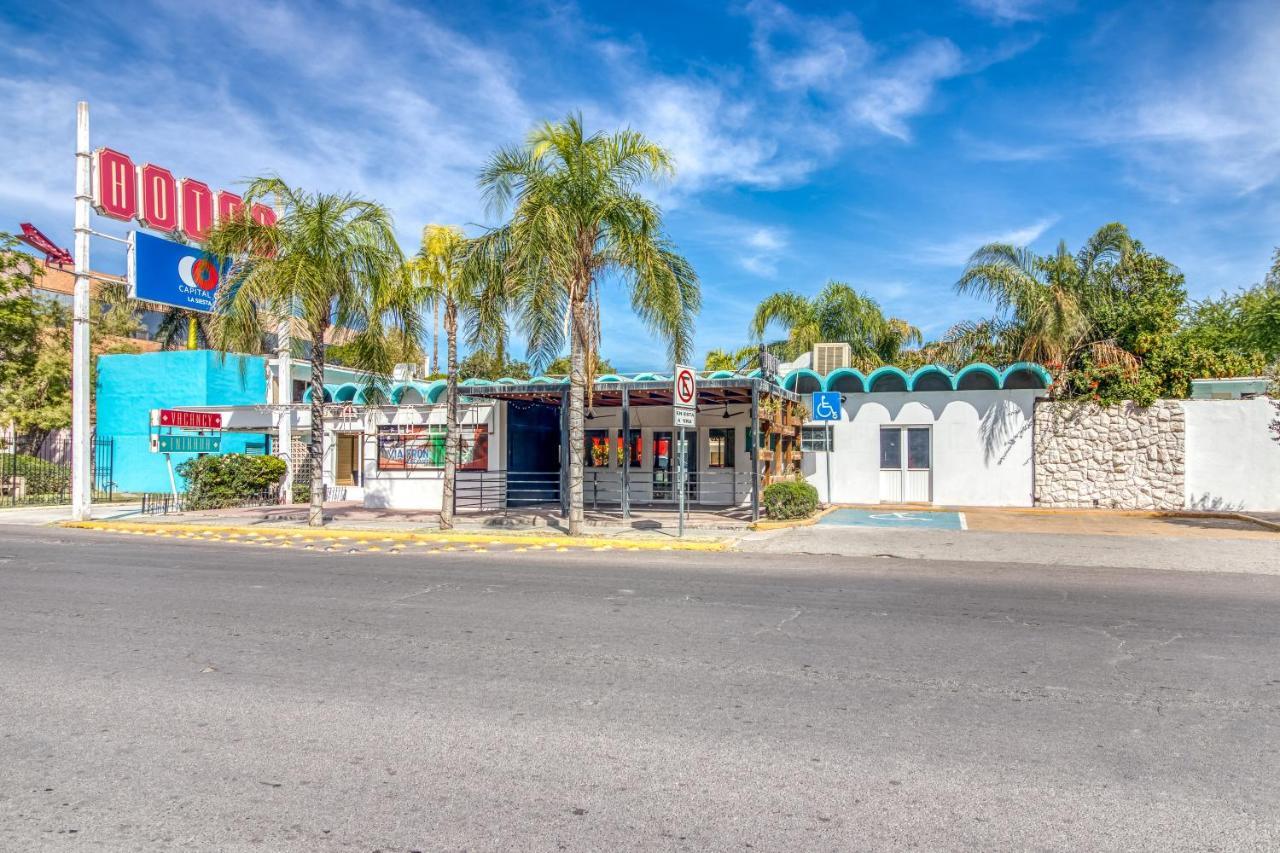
(532, 541)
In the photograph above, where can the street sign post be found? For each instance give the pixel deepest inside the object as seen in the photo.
(684, 412)
(826, 408)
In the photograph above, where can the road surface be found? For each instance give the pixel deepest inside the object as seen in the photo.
(161, 695)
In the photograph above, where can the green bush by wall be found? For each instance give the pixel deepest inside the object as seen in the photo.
(794, 499)
(214, 482)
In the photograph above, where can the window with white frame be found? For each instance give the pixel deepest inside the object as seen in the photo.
(815, 438)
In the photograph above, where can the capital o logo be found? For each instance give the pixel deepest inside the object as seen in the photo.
(198, 272)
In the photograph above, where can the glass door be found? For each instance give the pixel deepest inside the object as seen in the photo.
(906, 456)
(663, 467)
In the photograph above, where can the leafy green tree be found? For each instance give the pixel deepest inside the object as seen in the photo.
(330, 260)
(447, 282)
(838, 314)
(578, 221)
(744, 358)
(563, 366)
(188, 329)
(487, 364)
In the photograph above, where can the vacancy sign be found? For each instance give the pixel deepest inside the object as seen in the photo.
(186, 420)
(684, 389)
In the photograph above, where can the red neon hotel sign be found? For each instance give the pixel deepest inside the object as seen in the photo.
(151, 195)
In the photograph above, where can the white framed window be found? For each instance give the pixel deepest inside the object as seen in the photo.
(816, 438)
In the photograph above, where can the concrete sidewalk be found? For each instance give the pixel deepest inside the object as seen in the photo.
(45, 515)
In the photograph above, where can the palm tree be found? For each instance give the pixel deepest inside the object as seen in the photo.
(329, 261)
(579, 220)
(449, 285)
(195, 328)
(1045, 305)
(838, 314)
(735, 360)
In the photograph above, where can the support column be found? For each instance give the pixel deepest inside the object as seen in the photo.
(755, 449)
(564, 454)
(81, 440)
(626, 454)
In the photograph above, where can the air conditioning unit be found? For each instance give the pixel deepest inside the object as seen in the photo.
(829, 357)
(405, 372)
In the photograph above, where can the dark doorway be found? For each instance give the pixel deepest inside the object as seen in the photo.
(533, 454)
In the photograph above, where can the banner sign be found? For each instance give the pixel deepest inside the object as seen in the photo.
(155, 199)
(172, 273)
(189, 420)
(421, 447)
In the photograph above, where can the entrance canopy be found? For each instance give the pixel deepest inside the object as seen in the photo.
(643, 390)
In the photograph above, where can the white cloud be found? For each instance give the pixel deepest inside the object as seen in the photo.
(956, 251)
(1208, 121)
(1008, 11)
(831, 58)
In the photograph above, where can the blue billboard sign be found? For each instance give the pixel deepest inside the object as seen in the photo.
(172, 273)
(826, 406)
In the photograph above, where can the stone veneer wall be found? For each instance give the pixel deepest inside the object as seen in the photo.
(1122, 456)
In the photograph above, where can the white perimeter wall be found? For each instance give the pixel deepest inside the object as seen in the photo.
(1233, 458)
(982, 446)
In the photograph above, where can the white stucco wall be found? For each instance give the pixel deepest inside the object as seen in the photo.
(1233, 458)
(981, 446)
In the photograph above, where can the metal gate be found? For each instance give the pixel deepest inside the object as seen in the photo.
(35, 472)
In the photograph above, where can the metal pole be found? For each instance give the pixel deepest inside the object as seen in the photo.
(626, 454)
(564, 454)
(680, 474)
(755, 452)
(828, 465)
(81, 491)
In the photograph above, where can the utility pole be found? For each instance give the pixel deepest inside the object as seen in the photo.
(81, 440)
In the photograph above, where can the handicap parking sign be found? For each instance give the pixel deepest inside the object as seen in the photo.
(826, 406)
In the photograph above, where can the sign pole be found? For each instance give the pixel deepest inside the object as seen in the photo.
(828, 465)
(680, 475)
(81, 441)
(173, 481)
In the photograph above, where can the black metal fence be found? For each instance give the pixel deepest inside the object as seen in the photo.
(484, 491)
(37, 472)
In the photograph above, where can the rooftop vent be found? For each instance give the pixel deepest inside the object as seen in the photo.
(829, 357)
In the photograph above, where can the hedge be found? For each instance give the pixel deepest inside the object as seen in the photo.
(229, 480)
(792, 499)
(40, 477)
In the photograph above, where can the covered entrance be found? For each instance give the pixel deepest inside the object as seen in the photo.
(746, 436)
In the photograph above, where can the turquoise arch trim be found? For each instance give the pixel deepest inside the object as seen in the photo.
(346, 393)
(979, 367)
(329, 391)
(646, 377)
(509, 380)
(435, 390)
(932, 368)
(542, 380)
(885, 371)
(829, 383)
(611, 377)
(789, 381)
(1044, 375)
(722, 374)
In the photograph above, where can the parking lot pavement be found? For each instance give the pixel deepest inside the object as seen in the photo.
(1245, 551)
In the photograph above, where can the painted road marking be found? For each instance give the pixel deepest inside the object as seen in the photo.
(901, 519)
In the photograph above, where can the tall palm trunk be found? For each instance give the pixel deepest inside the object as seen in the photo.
(435, 340)
(192, 329)
(451, 442)
(577, 391)
(315, 448)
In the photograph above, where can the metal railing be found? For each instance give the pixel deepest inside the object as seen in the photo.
(602, 489)
(36, 472)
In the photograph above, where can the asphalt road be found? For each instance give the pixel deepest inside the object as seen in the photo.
(161, 695)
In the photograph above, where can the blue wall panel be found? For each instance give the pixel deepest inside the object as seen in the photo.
(130, 386)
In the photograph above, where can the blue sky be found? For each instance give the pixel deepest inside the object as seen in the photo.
(876, 143)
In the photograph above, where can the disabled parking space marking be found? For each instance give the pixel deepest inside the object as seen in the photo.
(901, 519)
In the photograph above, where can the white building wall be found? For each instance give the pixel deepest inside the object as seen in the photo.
(981, 446)
(1233, 457)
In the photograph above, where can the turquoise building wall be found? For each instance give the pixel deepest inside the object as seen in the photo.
(130, 386)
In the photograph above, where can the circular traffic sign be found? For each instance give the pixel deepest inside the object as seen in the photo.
(686, 386)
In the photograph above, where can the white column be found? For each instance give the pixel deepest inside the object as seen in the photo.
(81, 438)
(284, 397)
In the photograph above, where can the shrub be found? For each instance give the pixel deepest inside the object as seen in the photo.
(794, 499)
(229, 480)
(40, 476)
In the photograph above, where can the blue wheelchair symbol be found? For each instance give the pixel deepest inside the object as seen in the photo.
(826, 406)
